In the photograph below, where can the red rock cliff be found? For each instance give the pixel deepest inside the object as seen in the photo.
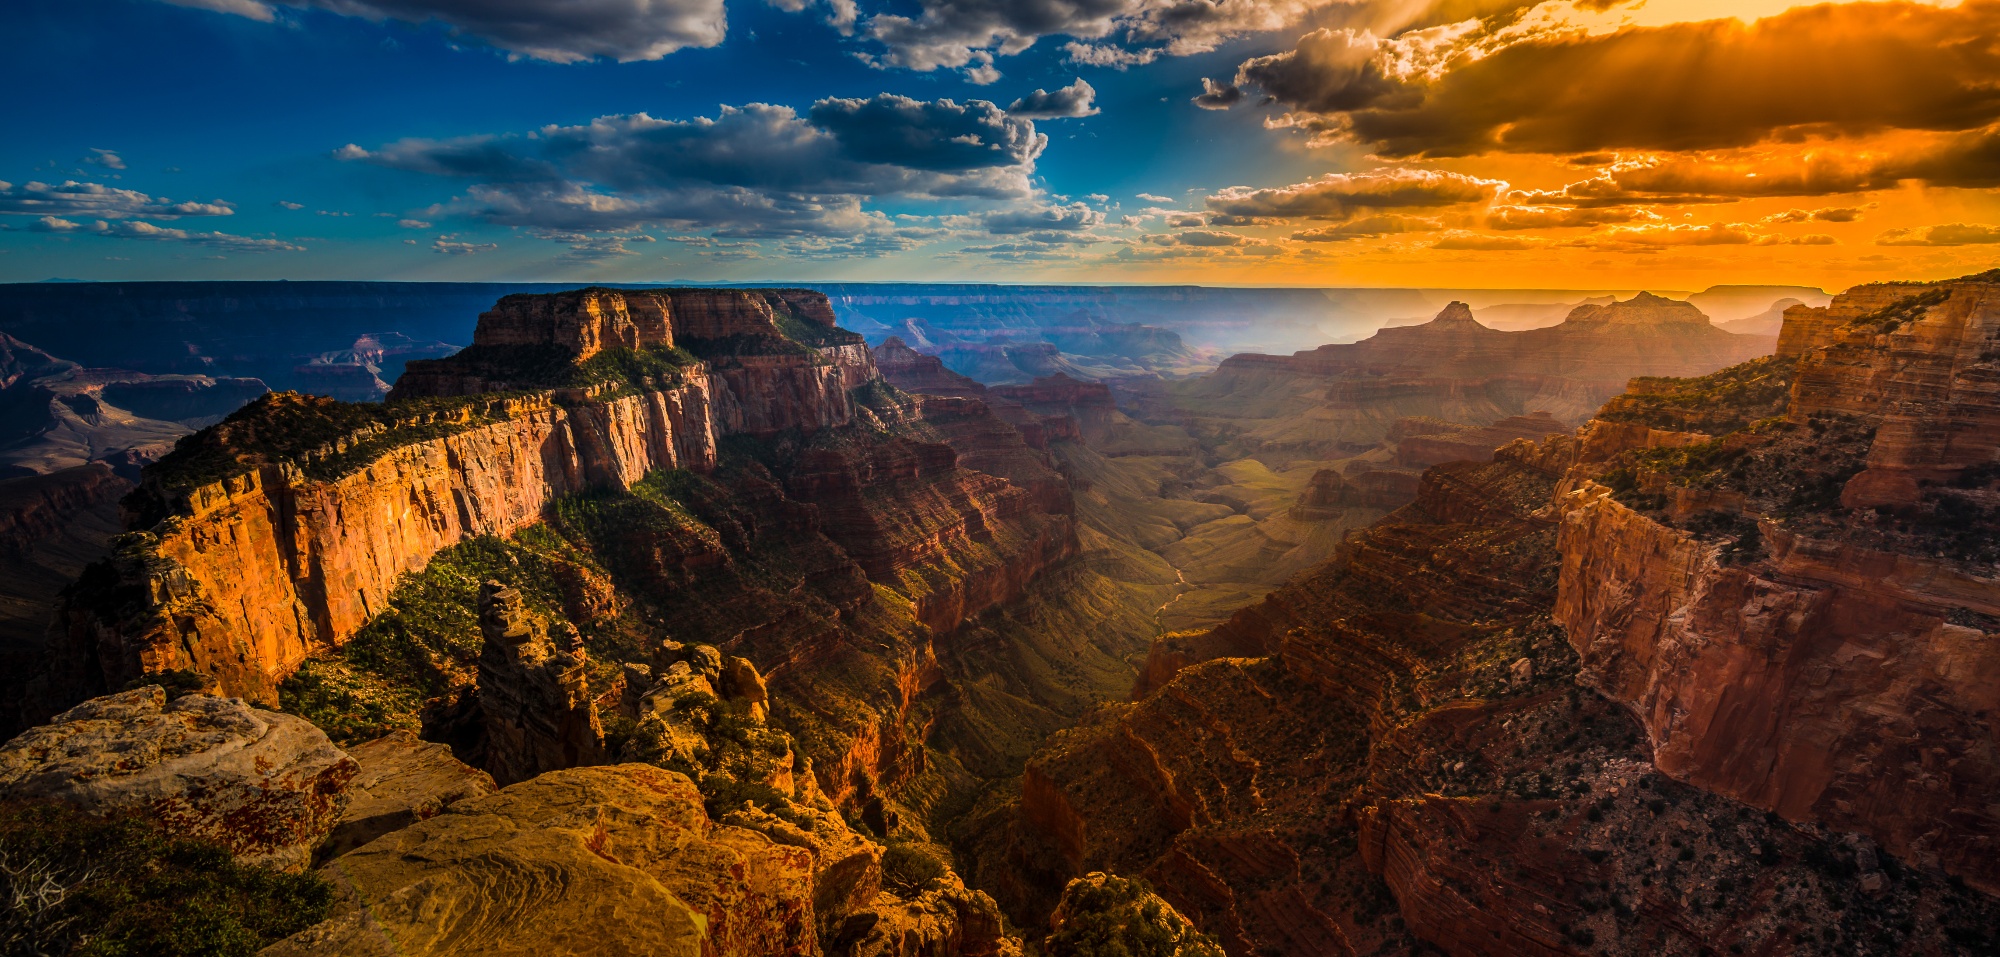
(1833, 666)
(284, 529)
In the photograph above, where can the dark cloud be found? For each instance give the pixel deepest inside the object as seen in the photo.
(967, 34)
(561, 32)
(1342, 195)
(1218, 96)
(1330, 71)
(758, 171)
(1828, 70)
(1945, 234)
(1210, 237)
(1072, 101)
(937, 135)
(1831, 214)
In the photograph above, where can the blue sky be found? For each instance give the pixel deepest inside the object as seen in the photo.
(202, 105)
(1500, 143)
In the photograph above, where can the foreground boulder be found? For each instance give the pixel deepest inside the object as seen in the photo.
(403, 780)
(608, 860)
(268, 786)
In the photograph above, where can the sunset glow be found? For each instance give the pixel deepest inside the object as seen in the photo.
(1671, 143)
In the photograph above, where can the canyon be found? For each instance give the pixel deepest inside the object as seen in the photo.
(1711, 672)
(684, 616)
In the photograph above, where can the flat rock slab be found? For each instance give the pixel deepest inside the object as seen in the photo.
(269, 786)
(601, 861)
(403, 780)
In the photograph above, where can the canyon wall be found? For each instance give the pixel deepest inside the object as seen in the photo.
(285, 529)
(1833, 662)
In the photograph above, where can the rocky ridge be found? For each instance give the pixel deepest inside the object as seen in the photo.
(1402, 748)
(251, 536)
(1801, 609)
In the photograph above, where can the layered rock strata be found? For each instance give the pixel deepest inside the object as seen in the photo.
(267, 786)
(284, 529)
(1832, 666)
(1392, 753)
(535, 706)
(402, 780)
(608, 860)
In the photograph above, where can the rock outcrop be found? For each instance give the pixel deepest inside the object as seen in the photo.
(1391, 752)
(1099, 911)
(402, 780)
(535, 705)
(267, 786)
(607, 860)
(1802, 611)
(285, 528)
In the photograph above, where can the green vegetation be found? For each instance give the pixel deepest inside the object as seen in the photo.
(1903, 311)
(812, 333)
(73, 884)
(426, 644)
(911, 868)
(1716, 404)
(324, 437)
(1104, 915)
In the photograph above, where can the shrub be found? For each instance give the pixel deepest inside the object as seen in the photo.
(910, 868)
(74, 884)
(1104, 915)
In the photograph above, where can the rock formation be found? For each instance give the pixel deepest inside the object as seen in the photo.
(268, 786)
(1363, 763)
(1452, 368)
(1801, 609)
(253, 536)
(1099, 911)
(402, 780)
(534, 698)
(618, 859)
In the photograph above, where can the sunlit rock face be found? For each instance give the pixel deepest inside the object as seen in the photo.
(1802, 610)
(267, 786)
(1544, 708)
(285, 529)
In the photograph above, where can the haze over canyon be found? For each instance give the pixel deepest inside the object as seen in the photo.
(1000, 478)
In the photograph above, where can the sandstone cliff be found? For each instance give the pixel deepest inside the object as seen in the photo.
(651, 483)
(1801, 607)
(1348, 396)
(284, 529)
(1391, 752)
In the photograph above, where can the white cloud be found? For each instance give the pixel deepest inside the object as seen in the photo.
(754, 171)
(134, 229)
(1075, 100)
(450, 247)
(71, 198)
(567, 31)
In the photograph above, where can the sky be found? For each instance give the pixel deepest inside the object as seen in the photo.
(1581, 144)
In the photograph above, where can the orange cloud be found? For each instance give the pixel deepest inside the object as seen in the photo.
(1828, 70)
(1367, 228)
(1341, 196)
(1557, 217)
(1945, 234)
